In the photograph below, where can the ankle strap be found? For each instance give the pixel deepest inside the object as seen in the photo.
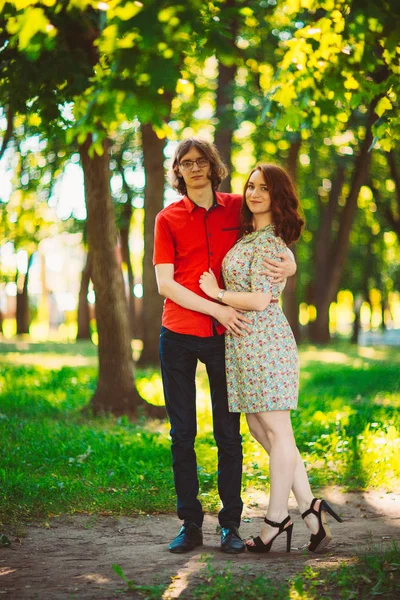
(281, 525)
(311, 510)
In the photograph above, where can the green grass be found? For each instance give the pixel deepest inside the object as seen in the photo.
(55, 460)
(375, 574)
(370, 575)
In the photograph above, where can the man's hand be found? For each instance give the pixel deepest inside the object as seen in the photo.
(279, 270)
(232, 320)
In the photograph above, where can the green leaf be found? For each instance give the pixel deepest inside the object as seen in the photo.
(27, 24)
(120, 572)
(82, 137)
(383, 105)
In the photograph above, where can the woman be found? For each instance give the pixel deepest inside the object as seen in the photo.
(262, 367)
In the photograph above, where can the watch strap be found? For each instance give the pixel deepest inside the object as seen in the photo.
(220, 295)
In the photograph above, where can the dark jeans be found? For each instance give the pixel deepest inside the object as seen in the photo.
(179, 354)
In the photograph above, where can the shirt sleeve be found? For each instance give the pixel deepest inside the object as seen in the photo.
(164, 245)
(260, 281)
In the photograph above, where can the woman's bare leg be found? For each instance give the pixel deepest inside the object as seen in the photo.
(282, 466)
(300, 485)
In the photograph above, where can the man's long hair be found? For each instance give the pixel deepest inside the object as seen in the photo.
(218, 170)
(286, 217)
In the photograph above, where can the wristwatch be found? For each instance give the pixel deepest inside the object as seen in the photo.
(220, 295)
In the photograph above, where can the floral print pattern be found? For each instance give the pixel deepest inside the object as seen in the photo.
(262, 366)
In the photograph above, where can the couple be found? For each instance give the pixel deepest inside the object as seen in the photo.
(221, 262)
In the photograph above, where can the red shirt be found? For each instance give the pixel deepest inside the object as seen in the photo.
(193, 240)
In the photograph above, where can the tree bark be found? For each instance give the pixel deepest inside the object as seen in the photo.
(393, 219)
(22, 308)
(226, 119)
(357, 319)
(319, 329)
(153, 159)
(225, 94)
(83, 304)
(116, 391)
(126, 259)
(290, 300)
(330, 267)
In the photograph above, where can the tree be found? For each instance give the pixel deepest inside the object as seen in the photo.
(153, 160)
(109, 66)
(290, 295)
(339, 62)
(126, 152)
(227, 53)
(370, 266)
(115, 356)
(392, 209)
(83, 316)
(331, 250)
(26, 218)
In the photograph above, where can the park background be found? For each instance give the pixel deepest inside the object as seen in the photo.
(94, 97)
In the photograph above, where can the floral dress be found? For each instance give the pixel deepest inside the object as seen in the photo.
(261, 366)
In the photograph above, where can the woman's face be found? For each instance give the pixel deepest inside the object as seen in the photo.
(257, 195)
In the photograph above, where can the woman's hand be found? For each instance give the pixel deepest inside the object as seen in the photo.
(209, 284)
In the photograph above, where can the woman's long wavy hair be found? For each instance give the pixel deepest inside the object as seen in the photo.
(284, 204)
(218, 170)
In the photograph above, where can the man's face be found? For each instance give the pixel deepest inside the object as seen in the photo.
(195, 174)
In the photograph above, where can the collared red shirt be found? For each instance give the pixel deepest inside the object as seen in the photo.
(193, 240)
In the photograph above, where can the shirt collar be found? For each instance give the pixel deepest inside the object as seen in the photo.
(190, 205)
(249, 237)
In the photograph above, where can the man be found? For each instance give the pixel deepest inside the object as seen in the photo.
(191, 236)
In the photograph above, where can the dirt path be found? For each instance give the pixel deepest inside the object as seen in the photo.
(73, 557)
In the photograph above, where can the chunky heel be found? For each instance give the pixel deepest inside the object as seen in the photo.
(289, 531)
(259, 545)
(320, 540)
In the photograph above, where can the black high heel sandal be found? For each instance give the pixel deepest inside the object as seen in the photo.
(320, 540)
(259, 544)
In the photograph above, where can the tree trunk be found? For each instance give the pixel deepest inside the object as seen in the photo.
(22, 308)
(385, 308)
(126, 258)
(358, 300)
(290, 300)
(360, 175)
(330, 268)
(394, 219)
(225, 93)
(319, 329)
(83, 304)
(226, 119)
(116, 391)
(153, 159)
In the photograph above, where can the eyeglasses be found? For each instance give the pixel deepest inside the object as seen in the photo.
(187, 165)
